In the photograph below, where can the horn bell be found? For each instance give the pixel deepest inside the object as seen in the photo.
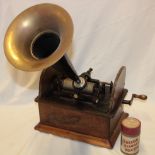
(38, 37)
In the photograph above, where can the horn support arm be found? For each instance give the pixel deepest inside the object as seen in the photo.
(65, 66)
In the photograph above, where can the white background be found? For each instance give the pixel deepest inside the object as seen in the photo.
(108, 34)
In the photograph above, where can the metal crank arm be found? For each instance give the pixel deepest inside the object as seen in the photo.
(129, 102)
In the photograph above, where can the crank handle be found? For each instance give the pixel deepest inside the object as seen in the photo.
(129, 102)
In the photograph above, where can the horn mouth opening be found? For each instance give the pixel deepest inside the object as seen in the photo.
(44, 44)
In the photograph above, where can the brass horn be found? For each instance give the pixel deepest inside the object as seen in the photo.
(39, 37)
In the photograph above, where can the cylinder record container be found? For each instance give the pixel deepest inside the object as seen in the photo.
(130, 135)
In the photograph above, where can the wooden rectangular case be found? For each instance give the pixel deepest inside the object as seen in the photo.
(80, 124)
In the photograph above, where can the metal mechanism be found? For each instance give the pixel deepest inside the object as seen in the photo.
(77, 107)
(88, 91)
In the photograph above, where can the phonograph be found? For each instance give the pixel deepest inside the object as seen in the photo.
(70, 105)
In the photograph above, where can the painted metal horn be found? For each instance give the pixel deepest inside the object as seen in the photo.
(39, 37)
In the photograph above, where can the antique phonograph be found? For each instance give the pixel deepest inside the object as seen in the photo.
(77, 107)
